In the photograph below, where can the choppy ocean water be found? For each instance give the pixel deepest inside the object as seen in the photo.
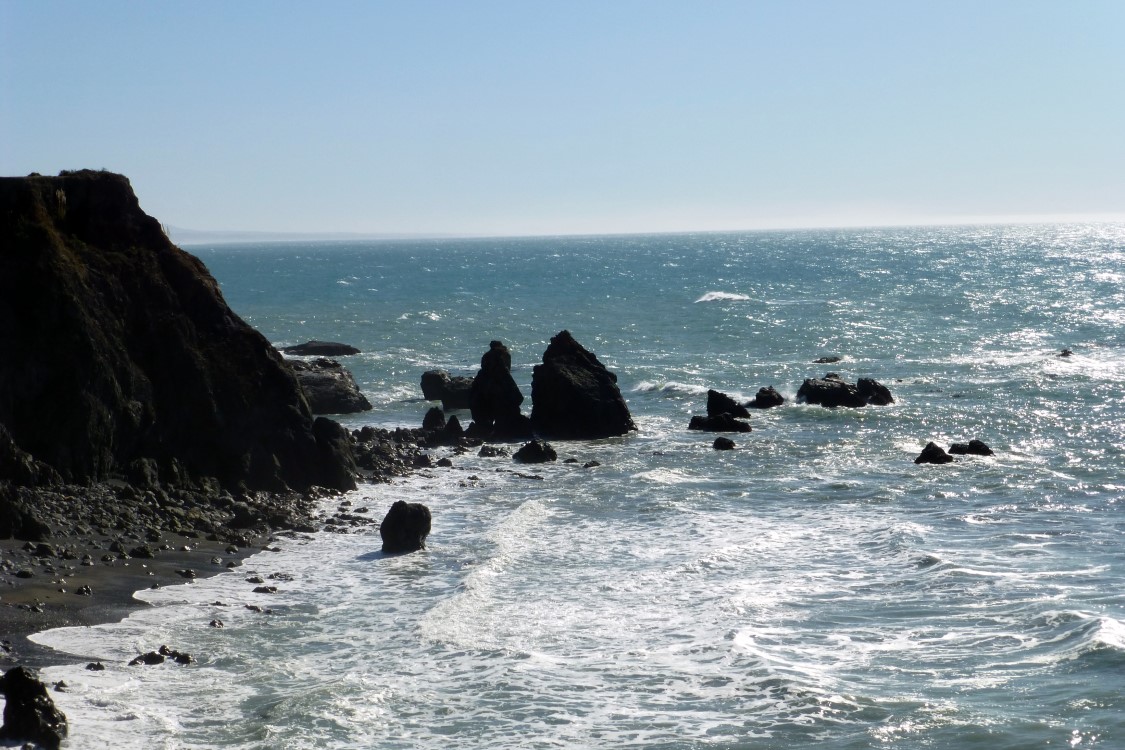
(814, 588)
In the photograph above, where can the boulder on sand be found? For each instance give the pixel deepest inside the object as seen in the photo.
(574, 396)
(329, 387)
(29, 713)
(405, 527)
(832, 391)
(720, 403)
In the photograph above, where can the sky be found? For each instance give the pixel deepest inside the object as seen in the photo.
(527, 118)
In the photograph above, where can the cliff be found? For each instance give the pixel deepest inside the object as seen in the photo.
(120, 359)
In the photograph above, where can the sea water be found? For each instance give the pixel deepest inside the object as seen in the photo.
(812, 588)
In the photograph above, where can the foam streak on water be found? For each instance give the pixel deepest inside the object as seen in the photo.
(814, 588)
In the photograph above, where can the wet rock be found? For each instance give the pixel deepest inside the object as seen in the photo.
(29, 713)
(150, 659)
(933, 454)
(405, 527)
(574, 396)
(95, 666)
(265, 589)
(591, 464)
(321, 349)
(329, 387)
(434, 419)
(972, 448)
(720, 403)
(832, 391)
(491, 451)
(536, 452)
(723, 444)
(718, 423)
(766, 398)
(826, 360)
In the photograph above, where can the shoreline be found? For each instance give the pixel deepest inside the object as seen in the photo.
(49, 600)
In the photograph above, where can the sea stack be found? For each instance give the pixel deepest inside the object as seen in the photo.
(574, 396)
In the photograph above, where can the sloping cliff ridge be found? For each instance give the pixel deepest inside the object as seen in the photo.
(119, 358)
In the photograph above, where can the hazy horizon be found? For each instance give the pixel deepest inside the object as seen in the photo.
(516, 119)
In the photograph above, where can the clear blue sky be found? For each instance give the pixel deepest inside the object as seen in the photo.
(558, 117)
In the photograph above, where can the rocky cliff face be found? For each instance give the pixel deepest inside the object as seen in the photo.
(119, 356)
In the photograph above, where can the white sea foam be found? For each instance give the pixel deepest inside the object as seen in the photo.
(722, 297)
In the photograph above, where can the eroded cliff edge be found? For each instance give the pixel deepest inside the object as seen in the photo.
(119, 358)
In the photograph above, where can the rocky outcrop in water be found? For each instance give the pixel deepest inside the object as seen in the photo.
(720, 403)
(832, 391)
(316, 348)
(718, 423)
(452, 392)
(766, 398)
(933, 454)
(405, 527)
(972, 448)
(495, 398)
(120, 352)
(29, 713)
(574, 396)
(536, 452)
(329, 387)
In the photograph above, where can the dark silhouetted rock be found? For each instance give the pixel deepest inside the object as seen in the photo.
(574, 396)
(933, 454)
(766, 398)
(495, 397)
(718, 423)
(405, 527)
(723, 444)
(321, 349)
(329, 387)
(434, 419)
(536, 452)
(152, 658)
(453, 392)
(832, 391)
(29, 713)
(826, 360)
(491, 451)
(720, 403)
(972, 448)
(119, 346)
(334, 447)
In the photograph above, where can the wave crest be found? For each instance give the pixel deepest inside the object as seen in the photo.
(722, 297)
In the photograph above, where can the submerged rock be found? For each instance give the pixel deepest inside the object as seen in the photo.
(29, 713)
(574, 396)
(405, 527)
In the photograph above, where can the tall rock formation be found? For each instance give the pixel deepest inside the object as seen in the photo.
(117, 350)
(574, 396)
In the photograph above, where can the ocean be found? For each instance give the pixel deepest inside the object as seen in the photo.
(813, 588)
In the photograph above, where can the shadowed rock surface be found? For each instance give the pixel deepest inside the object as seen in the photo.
(119, 348)
(329, 387)
(536, 452)
(574, 396)
(452, 392)
(29, 713)
(495, 398)
(972, 448)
